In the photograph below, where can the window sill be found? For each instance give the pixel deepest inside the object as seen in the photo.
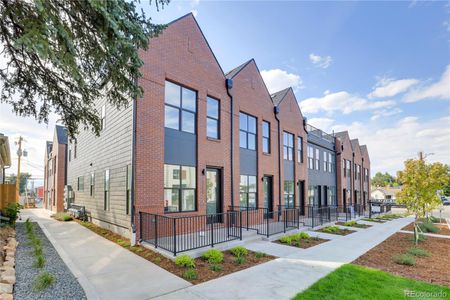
(267, 154)
(179, 212)
(213, 139)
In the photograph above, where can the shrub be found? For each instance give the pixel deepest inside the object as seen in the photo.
(190, 274)
(213, 256)
(215, 268)
(330, 229)
(428, 227)
(286, 239)
(404, 259)
(239, 251)
(123, 243)
(350, 223)
(37, 250)
(12, 212)
(239, 260)
(419, 252)
(185, 261)
(40, 261)
(62, 216)
(260, 254)
(300, 236)
(43, 281)
(433, 219)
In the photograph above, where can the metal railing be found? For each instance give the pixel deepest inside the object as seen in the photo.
(378, 208)
(179, 234)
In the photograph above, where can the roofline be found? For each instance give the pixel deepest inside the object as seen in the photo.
(242, 66)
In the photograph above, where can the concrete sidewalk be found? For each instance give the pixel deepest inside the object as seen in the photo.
(104, 269)
(295, 270)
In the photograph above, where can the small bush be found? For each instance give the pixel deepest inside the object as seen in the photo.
(123, 243)
(260, 254)
(239, 260)
(300, 236)
(213, 256)
(286, 239)
(330, 229)
(12, 212)
(433, 219)
(185, 261)
(37, 250)
(40, 262)
(428, 227)
(190, 274)
(62, 216)
(43, 281)
(404, 259)
(350, 223)
(419, 252)
(239, 251)
(215, 268)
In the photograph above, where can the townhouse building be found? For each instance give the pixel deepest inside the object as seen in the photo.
(199, 142)
(55, 170)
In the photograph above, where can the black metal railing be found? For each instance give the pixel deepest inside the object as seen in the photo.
(179, 234)
(378, 208)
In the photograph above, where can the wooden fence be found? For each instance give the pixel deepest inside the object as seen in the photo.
(7, 194)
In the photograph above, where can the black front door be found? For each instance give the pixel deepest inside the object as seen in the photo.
(325, 195)
(319, 196)
(213, 193)
(268, 194)
(301, 192)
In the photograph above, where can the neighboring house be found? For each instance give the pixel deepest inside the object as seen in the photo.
(321, 156)
(55, 170)
(385, 194)
(199, 142)
(5, 157)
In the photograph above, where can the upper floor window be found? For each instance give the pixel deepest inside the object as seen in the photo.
(106, 193)
(317, 159)
(288, 146)
(330, 162)
(266, 137)
(179, 188)
(366, 175)
(92, 185)
(348, 167)
(325, 161)
(212, 118)
(310, 158)
(75, 149)
(247, 131)
(299, 149)
(357, 172)
(103, 117)
(180, 107)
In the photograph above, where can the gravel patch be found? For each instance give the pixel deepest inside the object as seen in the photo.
(65, 285)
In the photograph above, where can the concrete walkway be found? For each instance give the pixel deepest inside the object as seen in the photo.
(104, 269)
(295, 270)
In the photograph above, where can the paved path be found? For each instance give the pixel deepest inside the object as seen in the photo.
(295, 270)
(104, 269)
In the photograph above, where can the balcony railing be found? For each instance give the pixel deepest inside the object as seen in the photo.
(319, 133)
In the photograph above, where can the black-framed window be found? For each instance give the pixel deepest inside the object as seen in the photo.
(357, 172)
(317, 159)
(247, 131)
(129, 182)
(179, 188)
(330, 162)
(344, 167)
(212, 118)
(266, 137)
(310, 158)
(349, 168)
(289, 201)
(180, 107)
(288, 146)
(299, 149)
(311, 194)
(366, 175)
(106, 190)
(331, 196)
(247, 189)
(80, 184)
(75, 144)
(92, 184)
(325, 161)
(103, 117)
(70, 151)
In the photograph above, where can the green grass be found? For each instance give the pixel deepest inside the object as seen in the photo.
(62, 216)
(43, 281)
(351, 282)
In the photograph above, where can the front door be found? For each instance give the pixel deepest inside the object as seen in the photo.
(301, 193)
(213, 192)
(268, 195)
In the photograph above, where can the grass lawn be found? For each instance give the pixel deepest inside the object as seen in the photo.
(355, 282)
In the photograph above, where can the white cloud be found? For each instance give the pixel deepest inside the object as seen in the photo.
(321, 123)
(277, 80)
(390, 146)
(387, 87)
(343, 102)
(385, 113)
(320, 61)
(437, 90)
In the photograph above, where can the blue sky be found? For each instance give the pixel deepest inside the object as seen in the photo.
(377, 69)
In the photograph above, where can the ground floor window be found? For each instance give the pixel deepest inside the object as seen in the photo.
(311, 194)
(247, 189)
(179, 188)
(331, 196)
(128, 197)
(289, 194)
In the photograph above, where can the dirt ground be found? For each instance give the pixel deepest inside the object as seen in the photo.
(357, 225)
(304, 243)
(341, 231)
(434, 269)
(443, 228)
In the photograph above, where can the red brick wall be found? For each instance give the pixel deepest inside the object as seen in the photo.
(347, 154)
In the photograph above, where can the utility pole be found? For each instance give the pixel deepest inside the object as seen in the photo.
(19, 154)
(421, 155)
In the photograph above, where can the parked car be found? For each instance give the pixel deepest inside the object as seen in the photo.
(446, 202)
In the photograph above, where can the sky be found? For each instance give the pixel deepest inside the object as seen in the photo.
(380, 70)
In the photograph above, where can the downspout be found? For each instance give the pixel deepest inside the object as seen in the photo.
(276, 111)
(133, 171)
(336, 173)
(229, 86)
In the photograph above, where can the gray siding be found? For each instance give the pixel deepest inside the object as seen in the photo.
(288, 170)
(247, 162)
(111, 150)
(180, 148)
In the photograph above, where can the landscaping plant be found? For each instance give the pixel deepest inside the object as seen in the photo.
(190, 274)
(260, 254)
(185, 261)
(62, 216)
(239, 260)
(404, 259)
(419, 252)
(12, 212)
(213, 256)
(239, 251)
(215, 268)
(43, 281)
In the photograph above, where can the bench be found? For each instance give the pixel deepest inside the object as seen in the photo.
(78, 212)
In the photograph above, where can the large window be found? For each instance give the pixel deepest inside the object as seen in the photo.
(266, 137)
(128, 200)
(317, 159)
(103, 117)
(325, 161)
(299, 149)
(213, 118)
(248, 191)
(289, 194)
(330, 162)
(179, 188)
(348, 167)
(80, 184)
(357, 172)
(180, 107)
(247, 131)
(75, 149)
(366, 175)
(311, 195)
(310, 158)
(106, 193)
(331, 196)
(92, 185)
(288, 146)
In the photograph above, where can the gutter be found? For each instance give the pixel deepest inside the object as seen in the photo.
(229, 86)
(276, 111)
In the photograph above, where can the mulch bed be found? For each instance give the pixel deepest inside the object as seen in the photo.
(304, 243)
(443, 228)
(340, 231)
(202, 267)
(357, 225)
(434, 269)
(374, 220)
